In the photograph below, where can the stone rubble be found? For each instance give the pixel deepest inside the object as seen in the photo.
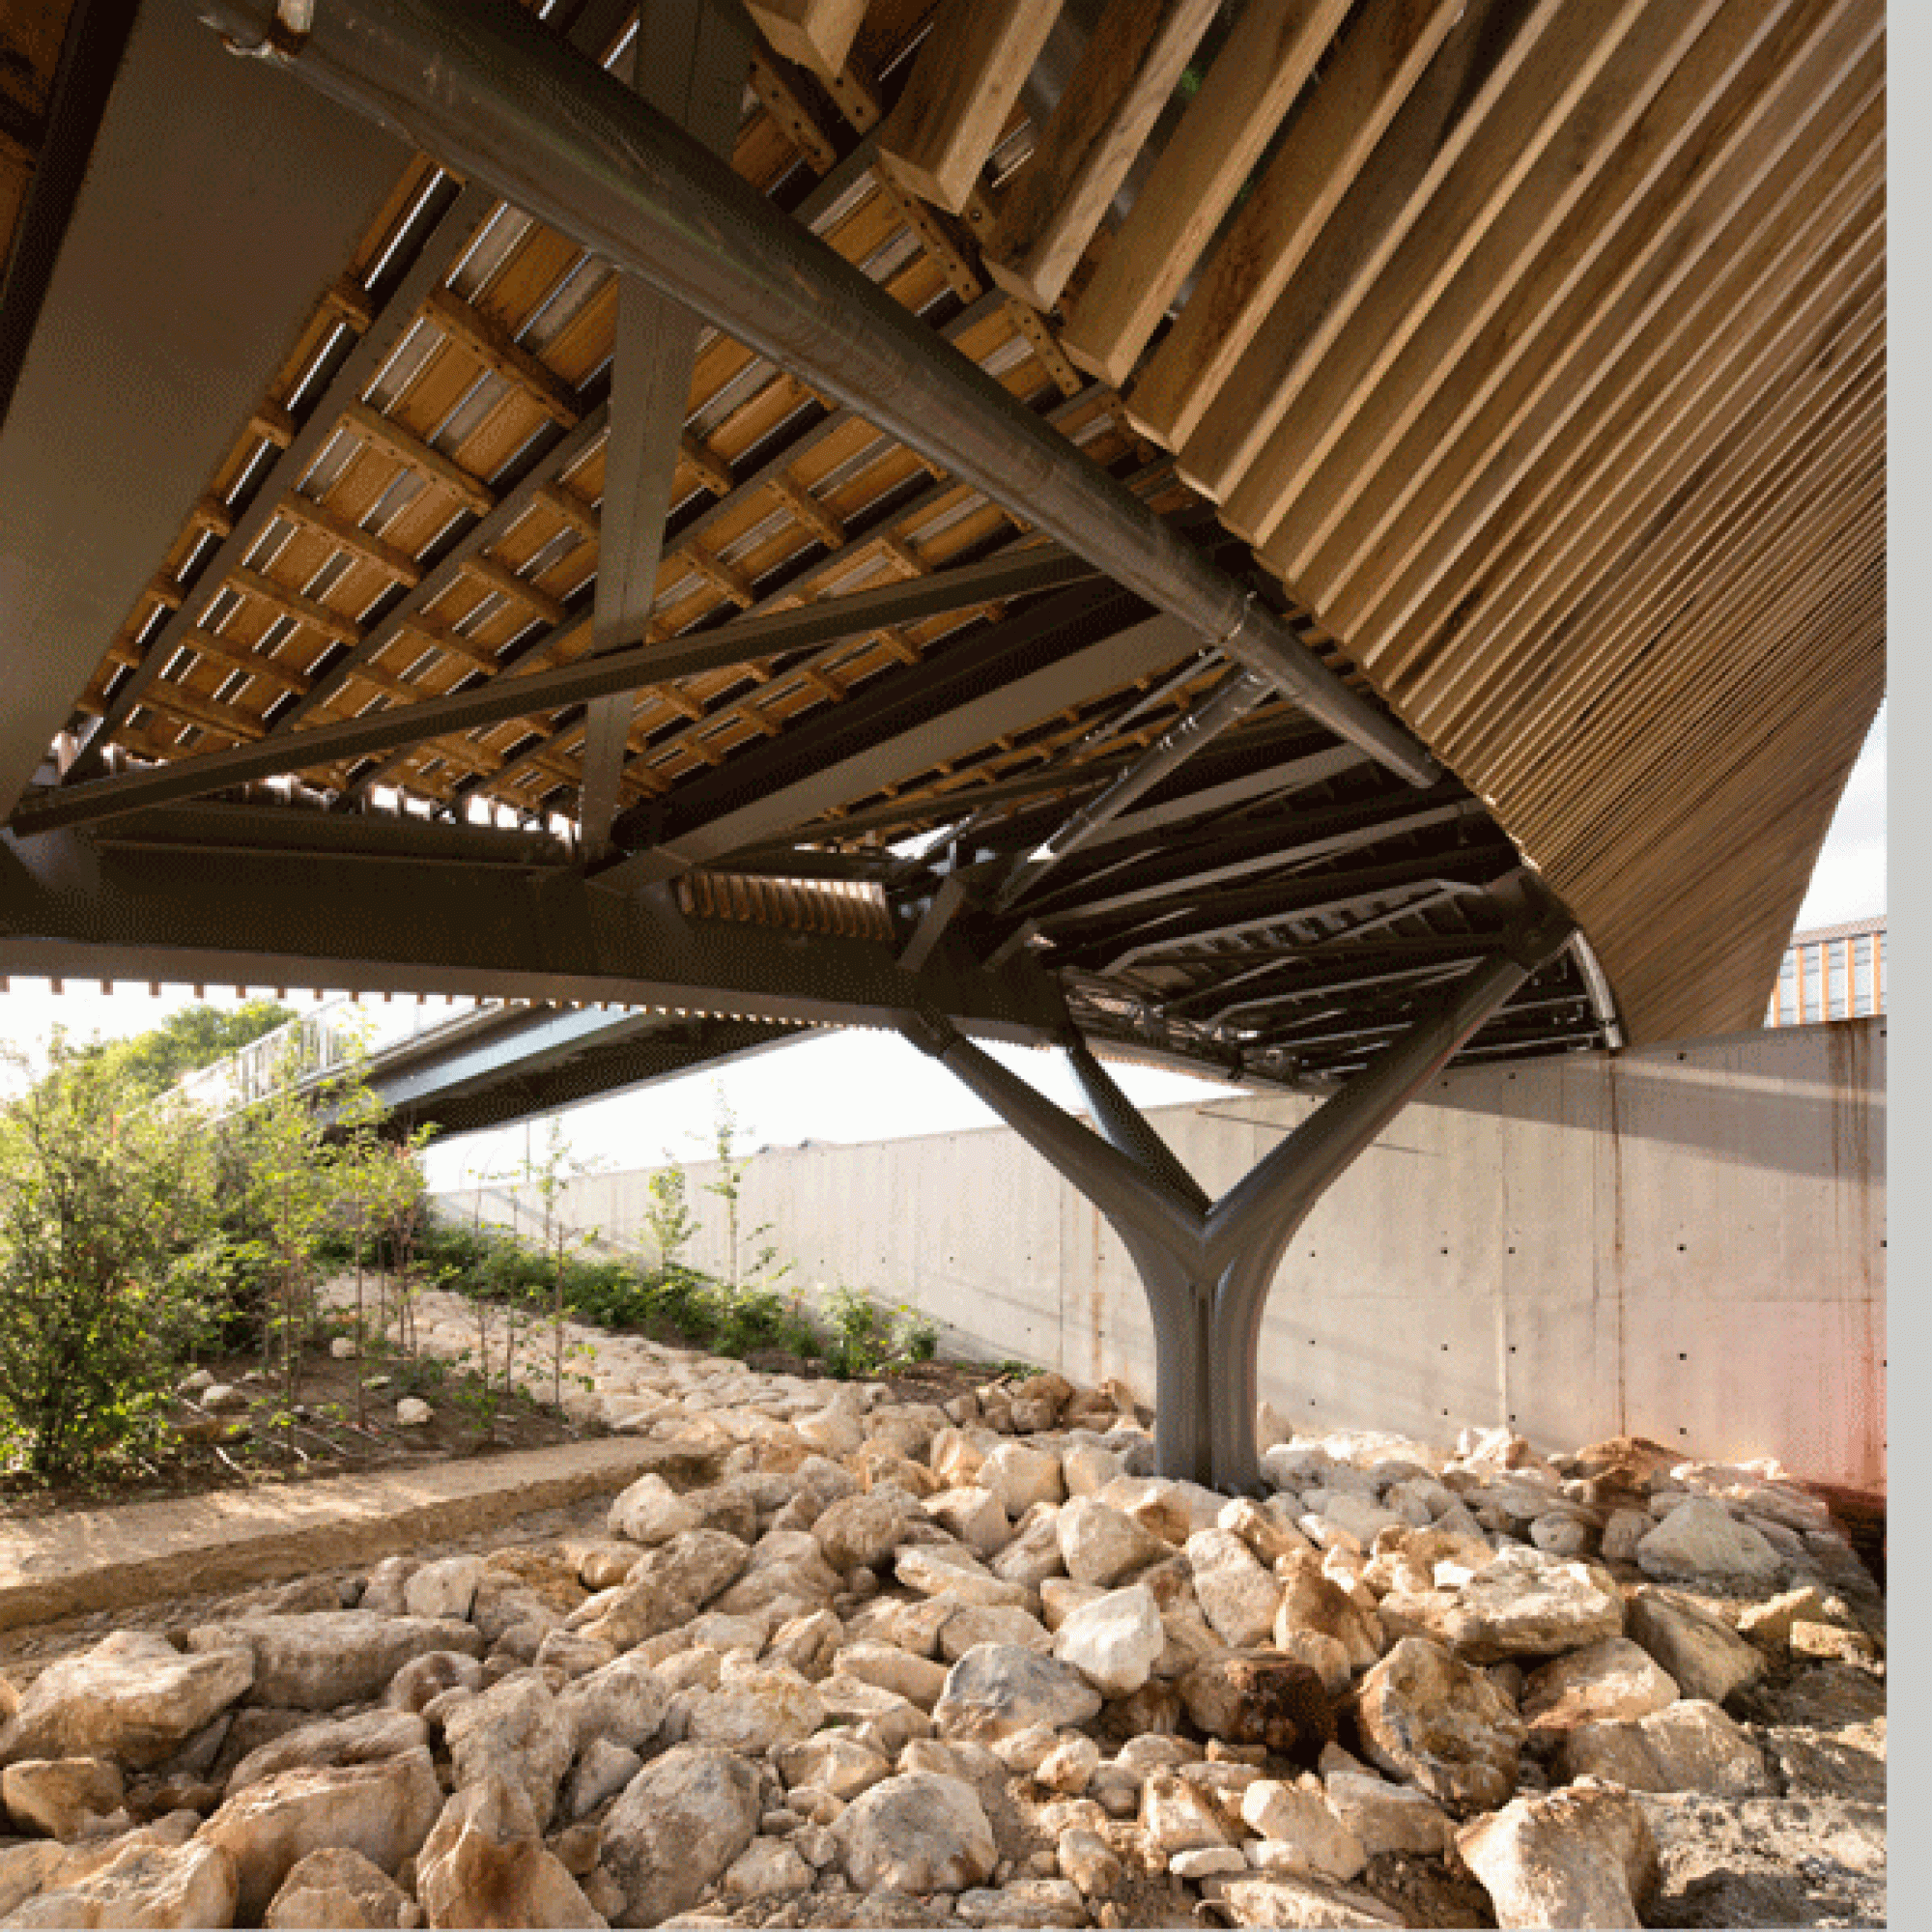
(844, 1659)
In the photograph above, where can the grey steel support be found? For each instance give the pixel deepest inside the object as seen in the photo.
(1206, 1267)
(492, 93)
(1226, 705)
(689, 60)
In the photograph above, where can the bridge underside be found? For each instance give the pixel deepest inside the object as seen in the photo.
(1296, 539)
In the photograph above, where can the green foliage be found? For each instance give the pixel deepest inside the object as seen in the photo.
(107, 1265)
(868, 1339)
(669, 1218)
(195, 1037)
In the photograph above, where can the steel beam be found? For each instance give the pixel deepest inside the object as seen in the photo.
(1226, 705)
(1012, 675)
(689, 61)
(129, 392)
(492, 93)
(72, 907)
(535, 693)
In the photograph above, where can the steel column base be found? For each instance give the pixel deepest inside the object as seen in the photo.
(1207, 1268)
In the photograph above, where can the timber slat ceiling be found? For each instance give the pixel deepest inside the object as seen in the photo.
(1536, 348)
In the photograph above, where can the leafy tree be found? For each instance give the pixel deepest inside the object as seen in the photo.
(105, 1264)
(195, 1037)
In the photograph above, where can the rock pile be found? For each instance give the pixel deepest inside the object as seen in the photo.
(848, 1660)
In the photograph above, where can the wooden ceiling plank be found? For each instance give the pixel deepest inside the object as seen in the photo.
(1418, 417)
(1374, 70)
(410, 449)
(1647, 370)
(1447, 109)
(1254, 81)
(395, 564)
(1726, 378)
(502, 354)
(1610, 590)
(335, 625)
(1851, 77)
(1492, 218)
(1624, 776)
(1050, 209)
(965, 80)
(1739, 615)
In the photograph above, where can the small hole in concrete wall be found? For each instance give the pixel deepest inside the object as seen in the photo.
(1512, 1348)
(1512, 1251)
(1682, 1432)
(1445, 1347)
(1682, 1357)
(1445, 1412)
(1445, 1250)
(1680, 1057)
(1680, 1247)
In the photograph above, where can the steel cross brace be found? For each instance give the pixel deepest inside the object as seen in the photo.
(1206, 1267)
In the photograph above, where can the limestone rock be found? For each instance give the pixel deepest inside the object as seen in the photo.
(144, 1881)
(132, 1697)
(1703, 1655)
(62, 1798)
(340, 1888)
(413, 1412)
(1176, 1816)
(1089, 1861)
(1769, 1625)
(1087, 1468)
(1605, 1681)
(1238, 1597)
(423, 1678)
(364, 1738)
(1261, 1698)
(1525, 1604)
(485, 1864)
(1069, 1765)
(1114, 1640)
(917, 1679)
(1314, 1602)
(1386, 1817)
(516, 1730)
(976, 1516)
(680, 1824)
(807, 1643)
(953, 1573)
(624, 1702)
(326, 1659)
(1034, 1554)
(382, 1811)
(651, 1512)
(1692, 1746)
(1427, 1717)
(1295, 1902)
(1099, 1543)
(691, 1569)
(602, 1770)
(1021, 1476)
(865, 1528)
(767, 1868)
(919, 1831)
(833, 1761)
(1025, 1902)
(443, 1589)
(1300, 1817)
(996, 1688)
(989, 1623)
(1583, 1856)
(1700, 1538)
(755, 1709)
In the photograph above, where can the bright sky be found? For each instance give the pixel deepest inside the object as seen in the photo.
(850, 1085)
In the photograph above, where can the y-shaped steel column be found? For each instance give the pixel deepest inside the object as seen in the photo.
(1206, 1267)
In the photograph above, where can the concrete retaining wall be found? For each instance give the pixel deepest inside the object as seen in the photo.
(1685, 1243)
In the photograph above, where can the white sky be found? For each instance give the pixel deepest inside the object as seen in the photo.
(849, 1085)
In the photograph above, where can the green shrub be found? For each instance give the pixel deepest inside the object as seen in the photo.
(109, 1275)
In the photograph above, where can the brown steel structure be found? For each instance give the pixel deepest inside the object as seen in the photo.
(1219, 527)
